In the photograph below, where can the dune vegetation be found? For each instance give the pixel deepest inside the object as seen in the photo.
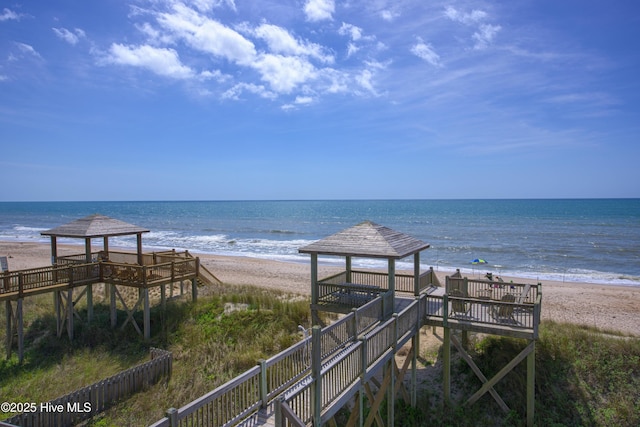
(584, 376)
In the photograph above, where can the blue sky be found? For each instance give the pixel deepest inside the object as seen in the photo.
(318, 99)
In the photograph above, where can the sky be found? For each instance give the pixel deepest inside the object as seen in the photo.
(318, 99)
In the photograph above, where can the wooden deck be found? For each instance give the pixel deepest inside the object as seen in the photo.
(73, 272)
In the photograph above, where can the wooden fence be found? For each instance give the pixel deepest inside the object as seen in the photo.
(86, 402)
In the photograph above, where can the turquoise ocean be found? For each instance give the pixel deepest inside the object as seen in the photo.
(573, 240)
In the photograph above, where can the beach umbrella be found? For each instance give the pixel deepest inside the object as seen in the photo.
(477, 261)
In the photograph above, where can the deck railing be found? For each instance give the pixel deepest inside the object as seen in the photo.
(341, 375)
(73, 274)
(338, 378)
(493, 290)
(148, 258)
(148, 275)
(364, 285)
(288, 370)
(42, 277)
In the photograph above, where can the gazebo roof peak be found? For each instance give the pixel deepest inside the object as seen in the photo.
(368, 240)
(95, 225)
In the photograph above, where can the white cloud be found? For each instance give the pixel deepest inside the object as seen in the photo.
(281, 41)
(68, 36)
(26, 49)
(284, 73)
(303, 100)
(8, 15)
(425, 51)
(319, 10)
(485, 35)
(465, 18)
(262, 59)
(208, 5)
(364, 79)
(236, 90)
(216, 75)
(284, 69)
(299, 101)
(164, 62)
(351, 49)
(355, 34)
(389, 15)
(350, 30)
(208, 35)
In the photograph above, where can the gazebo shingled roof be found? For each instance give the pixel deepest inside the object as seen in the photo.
(366, 240)
(369, 240)
(95, 226)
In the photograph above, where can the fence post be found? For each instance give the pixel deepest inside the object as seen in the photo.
(278, 411)
(316, 374)
(354, 322)
(263, 382)
(172, 414)
(416, 349)
(391, 397)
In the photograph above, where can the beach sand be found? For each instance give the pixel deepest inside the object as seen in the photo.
(608, 307)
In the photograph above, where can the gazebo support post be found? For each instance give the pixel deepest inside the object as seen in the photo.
(416, 274)
(105, 246)
(139, 247)
(54, 250)
(348, 268)
(390, 301)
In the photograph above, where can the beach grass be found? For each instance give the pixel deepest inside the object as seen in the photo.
(584, 376)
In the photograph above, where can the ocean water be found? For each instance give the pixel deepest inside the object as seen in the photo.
(575, 240)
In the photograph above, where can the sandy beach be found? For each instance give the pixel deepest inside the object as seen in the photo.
(603, 306)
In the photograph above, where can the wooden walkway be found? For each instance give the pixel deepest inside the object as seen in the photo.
(340, 362)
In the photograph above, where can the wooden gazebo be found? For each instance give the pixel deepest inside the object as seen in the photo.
(349, 290)
(94, 226)
(87, 228)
